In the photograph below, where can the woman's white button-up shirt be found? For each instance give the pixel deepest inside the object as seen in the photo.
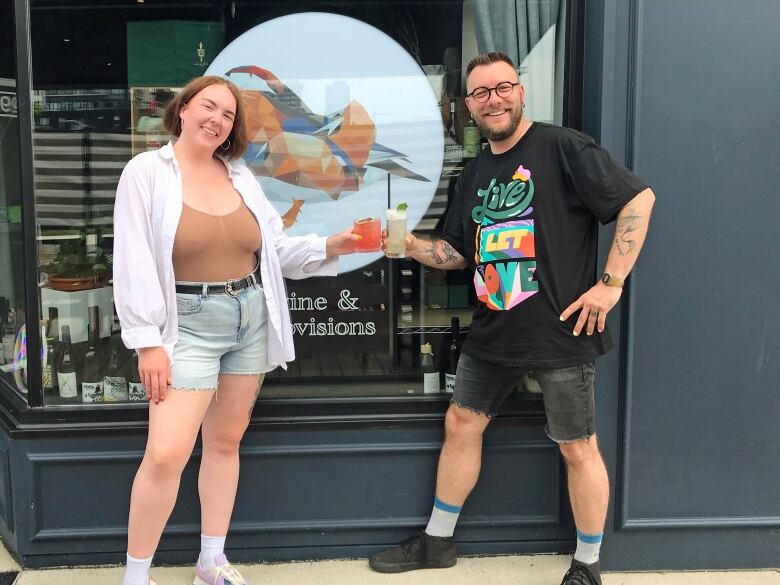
(146, 215)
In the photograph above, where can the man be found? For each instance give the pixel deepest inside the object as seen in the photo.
(524, 219)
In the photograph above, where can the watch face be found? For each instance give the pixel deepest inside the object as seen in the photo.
(605, 278)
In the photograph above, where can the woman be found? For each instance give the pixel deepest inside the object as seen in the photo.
(199, 256)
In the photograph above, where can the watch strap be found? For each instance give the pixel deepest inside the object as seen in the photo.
(610, 280)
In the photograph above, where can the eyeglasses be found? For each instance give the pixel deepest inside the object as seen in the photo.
(503, 89)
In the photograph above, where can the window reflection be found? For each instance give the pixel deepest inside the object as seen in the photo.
(101, 79)
(13, 353)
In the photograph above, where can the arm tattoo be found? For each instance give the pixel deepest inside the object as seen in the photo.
(628, 222)
(441, 252)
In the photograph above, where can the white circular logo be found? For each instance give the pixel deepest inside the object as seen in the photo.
(334, 106)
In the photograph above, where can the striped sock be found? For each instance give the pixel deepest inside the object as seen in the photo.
(588, 547)
(443, 519)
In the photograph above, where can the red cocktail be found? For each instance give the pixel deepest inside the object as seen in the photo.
(369, 230)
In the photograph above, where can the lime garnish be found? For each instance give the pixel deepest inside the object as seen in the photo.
(401, 207)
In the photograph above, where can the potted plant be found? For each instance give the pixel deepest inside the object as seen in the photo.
(79, 264)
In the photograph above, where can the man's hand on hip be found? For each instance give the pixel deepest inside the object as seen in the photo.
(594, 304)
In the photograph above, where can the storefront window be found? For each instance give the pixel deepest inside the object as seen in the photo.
(369, 101)
(13, 357)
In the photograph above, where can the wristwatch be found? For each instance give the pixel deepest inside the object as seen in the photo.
(610, 280)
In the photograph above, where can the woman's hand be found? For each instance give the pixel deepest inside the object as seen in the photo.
(154, 369)
(341, 243)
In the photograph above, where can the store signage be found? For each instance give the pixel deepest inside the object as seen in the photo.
(334, 107)
(8, 104)
(337, 316)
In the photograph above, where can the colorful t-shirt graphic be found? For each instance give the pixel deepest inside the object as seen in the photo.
(525, 220)
(505, 252)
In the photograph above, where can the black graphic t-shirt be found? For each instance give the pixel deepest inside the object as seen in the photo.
(525, 220)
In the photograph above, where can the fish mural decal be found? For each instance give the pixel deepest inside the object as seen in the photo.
(291, 215)
(335, 154)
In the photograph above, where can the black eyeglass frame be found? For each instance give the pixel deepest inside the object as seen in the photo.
(490, 90)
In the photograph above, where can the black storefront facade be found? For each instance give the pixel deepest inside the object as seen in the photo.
(339, 459)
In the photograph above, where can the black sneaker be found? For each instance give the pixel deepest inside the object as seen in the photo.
(421, 551)
(582, 574)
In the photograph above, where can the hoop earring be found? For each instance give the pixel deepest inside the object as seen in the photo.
(224, 148)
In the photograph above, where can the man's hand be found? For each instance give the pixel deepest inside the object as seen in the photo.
(154, 369)
(410, 242)
(594, 305)
(341, 243)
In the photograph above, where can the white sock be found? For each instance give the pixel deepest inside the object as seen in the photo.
(210, 548)
(137, 571)
(443, 519)
(588, 547)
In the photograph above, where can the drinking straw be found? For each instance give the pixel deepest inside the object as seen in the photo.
(388, 190)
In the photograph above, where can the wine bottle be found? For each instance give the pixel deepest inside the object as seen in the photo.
(453, 151)
(114, 382)
(9, 338)
(67, 380)
(430, 375)
(92, 362)
(136, 390)
(453, 355)
(451, 124)
(3, 316)
(53, 347)
(471, 135)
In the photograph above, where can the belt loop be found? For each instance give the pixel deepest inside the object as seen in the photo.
(205, 291)
(255, 284)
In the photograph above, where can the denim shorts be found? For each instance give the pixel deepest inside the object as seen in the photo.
(220, 334)
(567, 393)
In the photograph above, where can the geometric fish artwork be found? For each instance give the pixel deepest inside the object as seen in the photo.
(330, 152)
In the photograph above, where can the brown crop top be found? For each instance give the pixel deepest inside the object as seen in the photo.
(215, 248)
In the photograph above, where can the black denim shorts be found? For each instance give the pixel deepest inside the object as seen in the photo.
(567, 393)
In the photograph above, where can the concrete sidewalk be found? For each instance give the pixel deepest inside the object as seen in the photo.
(504, 570)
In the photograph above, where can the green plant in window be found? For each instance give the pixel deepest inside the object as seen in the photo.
(75, 258)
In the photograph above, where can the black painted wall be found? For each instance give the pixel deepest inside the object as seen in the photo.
(307, 491)
(687, 94)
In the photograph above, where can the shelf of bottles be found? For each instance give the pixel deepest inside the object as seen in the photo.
(98, 370)
(439, 366)
(9, 329)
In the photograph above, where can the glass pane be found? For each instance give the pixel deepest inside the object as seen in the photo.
(85, 58)
(345, 101)
(13, 357)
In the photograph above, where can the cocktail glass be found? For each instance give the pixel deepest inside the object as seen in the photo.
(395, 244)
(369, 230)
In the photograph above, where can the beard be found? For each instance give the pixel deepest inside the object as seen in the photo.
(498, 134)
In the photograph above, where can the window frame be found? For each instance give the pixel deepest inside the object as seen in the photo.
(22, 417)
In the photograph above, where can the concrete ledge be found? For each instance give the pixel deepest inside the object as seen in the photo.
(505, 570)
